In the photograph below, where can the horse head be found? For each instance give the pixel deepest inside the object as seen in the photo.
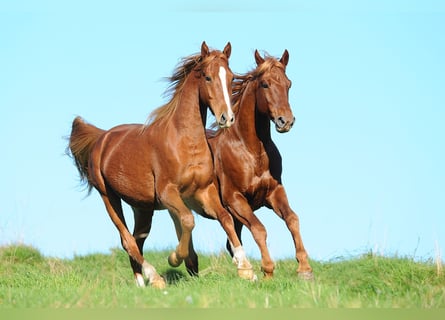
(215, 83)
(272, 92)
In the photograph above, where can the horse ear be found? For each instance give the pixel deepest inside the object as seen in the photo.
(259, 60)
(204, 49)
(285, 58)
(227, 50)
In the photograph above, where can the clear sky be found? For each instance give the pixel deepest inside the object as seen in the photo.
(363, 164)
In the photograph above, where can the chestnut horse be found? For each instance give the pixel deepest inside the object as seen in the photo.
(247, 162)
(165, 164)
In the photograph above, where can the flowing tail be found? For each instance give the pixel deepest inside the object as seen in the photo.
(81, 141)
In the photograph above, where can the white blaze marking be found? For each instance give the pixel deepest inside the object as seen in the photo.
(222, 77)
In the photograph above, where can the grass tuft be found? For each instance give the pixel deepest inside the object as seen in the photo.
(28, 279)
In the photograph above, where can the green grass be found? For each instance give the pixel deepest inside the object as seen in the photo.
(28, 279)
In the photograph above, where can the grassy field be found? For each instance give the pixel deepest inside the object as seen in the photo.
(28, 279)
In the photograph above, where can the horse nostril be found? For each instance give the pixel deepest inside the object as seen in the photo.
(280, 122)
(223, 119)
(232, 119)
(292, 123)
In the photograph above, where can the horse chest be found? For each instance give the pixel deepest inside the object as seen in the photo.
(247, 179)
(258, 185)
(196, 173)
(251, 173)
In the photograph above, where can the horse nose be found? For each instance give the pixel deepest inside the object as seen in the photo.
(222, 120)
(284, 124)
(281, 122)
(225, 121)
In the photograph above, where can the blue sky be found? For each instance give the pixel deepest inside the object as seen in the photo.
(363, 164)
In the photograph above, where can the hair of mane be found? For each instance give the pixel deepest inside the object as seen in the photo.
(240, 82)
(177, 81)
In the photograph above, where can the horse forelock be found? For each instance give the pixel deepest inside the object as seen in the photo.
(241, 81)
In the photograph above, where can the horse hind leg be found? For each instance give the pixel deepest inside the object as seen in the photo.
(142, 226)
(114, 208)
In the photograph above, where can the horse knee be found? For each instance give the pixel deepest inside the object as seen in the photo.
(188, 222)
(225, 219)
(293, 222)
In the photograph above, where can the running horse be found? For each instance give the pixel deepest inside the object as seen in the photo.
(247, 162)
(164, 164)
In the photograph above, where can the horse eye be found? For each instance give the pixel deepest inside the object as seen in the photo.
(264, 85)
(208, 78)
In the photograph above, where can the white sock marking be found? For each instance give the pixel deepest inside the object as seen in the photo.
(140, 280)
(239, 256)
(149, 271)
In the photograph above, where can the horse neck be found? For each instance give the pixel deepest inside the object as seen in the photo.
(189, 116)
(253, 127)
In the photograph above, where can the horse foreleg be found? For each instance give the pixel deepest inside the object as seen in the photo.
(191, 262)
(277, 199)
(184, 223)
(212, 206)
(242, 211)
(238, 229)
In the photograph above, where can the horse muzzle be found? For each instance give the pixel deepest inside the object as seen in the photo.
(225, 120)
(283, 124)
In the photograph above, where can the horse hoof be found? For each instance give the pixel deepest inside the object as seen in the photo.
(306, 276)
(173, 260)
(247, 274)
(158, 283)
(267, 272)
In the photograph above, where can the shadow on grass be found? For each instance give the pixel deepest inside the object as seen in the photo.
(173, 276)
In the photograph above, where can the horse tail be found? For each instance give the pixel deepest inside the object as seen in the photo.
(81, 142)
